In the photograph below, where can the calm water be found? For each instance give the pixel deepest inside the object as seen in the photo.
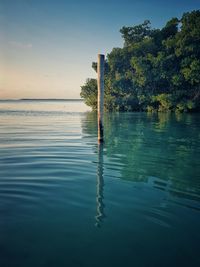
(67, 202)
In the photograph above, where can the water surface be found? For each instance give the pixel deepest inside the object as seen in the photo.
(65, 201)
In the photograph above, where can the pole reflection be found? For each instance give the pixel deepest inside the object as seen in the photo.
(100, 188)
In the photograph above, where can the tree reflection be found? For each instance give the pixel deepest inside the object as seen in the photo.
(163, 145)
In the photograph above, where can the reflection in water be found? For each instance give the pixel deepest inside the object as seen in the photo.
(100, 185)
(150, 165)
(139, 146)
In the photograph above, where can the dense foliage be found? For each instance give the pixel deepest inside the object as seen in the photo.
(157, 69)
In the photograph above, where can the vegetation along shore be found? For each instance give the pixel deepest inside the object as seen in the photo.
(156, 70)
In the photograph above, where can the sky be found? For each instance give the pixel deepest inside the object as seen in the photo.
(47, 46)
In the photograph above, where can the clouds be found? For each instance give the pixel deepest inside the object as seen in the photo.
(20, 45)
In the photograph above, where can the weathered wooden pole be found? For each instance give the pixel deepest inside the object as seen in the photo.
(100, 101)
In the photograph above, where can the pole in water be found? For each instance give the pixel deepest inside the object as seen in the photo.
(100, 101)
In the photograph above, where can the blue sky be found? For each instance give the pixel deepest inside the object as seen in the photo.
(47, 46)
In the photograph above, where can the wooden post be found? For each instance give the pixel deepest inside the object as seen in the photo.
(100, 71)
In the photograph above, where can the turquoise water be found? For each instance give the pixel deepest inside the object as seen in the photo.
(65, 201)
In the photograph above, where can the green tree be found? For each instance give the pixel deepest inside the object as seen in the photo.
(89, 93)
(155, 70)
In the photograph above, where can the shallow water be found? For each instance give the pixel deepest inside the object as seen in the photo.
(65, 201)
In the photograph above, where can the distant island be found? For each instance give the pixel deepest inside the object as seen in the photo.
(50, 99)
(156, 70)
(43, 99)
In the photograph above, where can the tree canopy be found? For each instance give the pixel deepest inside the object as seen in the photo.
(156, 70)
